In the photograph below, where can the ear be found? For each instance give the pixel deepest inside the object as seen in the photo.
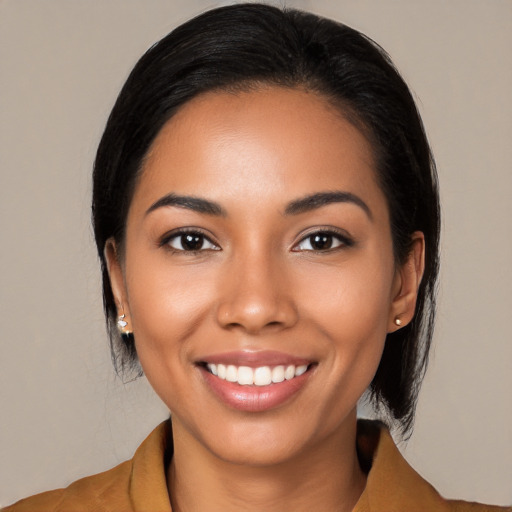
(406, 284)
(117, 282)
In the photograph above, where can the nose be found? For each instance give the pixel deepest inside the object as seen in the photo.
(256, 296)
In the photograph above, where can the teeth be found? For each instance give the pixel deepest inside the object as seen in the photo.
(245, 376)
(278, 374)
(261, 376)
(300, 370)
(289, 373)
(221, 371)
(231, 373)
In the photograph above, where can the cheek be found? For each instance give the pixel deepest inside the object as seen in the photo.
(351, 307)
(352, 298)
(166, 306)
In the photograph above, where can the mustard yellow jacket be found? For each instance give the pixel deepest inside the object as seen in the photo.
(139, 485)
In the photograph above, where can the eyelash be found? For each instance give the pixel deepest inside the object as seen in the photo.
(342, 239)
(176, 235)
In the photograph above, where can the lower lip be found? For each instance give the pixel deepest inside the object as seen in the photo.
(254, 398)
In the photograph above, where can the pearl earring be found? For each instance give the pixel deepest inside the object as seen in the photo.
(121, 324)
(398, 321)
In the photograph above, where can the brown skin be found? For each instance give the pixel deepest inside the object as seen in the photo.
(258, 284)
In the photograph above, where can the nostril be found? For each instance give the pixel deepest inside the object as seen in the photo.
(254, 313)
(274, 324)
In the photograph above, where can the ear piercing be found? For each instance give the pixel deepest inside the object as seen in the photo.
(121, 325)
(398, 322)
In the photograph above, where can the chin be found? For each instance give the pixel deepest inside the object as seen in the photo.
(253, 448)
(269, 439)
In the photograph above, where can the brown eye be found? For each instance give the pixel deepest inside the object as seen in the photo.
(322, 241)
(191, 242)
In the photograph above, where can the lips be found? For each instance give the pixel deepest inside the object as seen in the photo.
(255, 381)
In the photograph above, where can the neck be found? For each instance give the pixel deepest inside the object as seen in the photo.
(325, 478)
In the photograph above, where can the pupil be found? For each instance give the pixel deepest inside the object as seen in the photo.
(321, 241)
(191, 242)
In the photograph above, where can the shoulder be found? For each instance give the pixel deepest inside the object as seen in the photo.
(137, 484)
(465, 506)
(393, 485)
(101, 492)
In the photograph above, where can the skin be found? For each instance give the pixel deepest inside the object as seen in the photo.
(259, 284)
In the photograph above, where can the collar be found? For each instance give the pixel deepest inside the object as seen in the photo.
(392, 484)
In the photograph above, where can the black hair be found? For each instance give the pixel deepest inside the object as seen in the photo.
(243, 46)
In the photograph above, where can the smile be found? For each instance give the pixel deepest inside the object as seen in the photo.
(260, 376)
(255, 381)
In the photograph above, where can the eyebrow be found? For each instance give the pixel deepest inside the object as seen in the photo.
(190, 203)
(314, 201)
(296, 207)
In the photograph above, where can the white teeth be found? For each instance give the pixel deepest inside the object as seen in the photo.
(278, 374)
(231, 373)
(261, 376)
(289, 373)
(221, 371)
(245, 376)
(300, 370)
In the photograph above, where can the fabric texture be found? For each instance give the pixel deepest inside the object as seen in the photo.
(139, 485)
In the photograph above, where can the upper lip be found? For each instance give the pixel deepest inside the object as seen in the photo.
(255, 359)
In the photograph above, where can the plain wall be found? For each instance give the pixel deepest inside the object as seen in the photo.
(63, 413)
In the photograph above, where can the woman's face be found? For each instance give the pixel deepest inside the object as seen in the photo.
(258, 248)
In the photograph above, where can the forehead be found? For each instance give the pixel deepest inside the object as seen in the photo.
(273, 143)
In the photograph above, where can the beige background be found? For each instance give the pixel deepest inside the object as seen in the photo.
(63, 414)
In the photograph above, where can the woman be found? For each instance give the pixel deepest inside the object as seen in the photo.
(266, 213)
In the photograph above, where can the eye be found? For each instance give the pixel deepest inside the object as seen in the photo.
(190, 241)
(323, 241)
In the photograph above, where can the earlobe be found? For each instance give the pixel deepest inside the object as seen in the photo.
(408, 277)
(117, 284)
